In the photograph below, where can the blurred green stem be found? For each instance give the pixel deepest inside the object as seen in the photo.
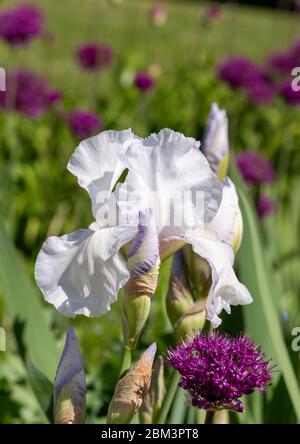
(209, 417)
(168, 398)
(126, 362)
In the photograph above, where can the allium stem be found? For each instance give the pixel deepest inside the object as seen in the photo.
(126, 361)
(167, 402)
(209, 417)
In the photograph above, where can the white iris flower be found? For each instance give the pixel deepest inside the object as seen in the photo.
(165, 176)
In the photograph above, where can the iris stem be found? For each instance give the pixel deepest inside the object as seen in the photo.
(167, 402)
(126, 361)
(209, 417)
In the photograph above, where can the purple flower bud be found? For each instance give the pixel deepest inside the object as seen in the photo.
(21, 24)
(144, 82)
(216, 370)
(94, 56)
(240, 72)
(265, 206)
(255, 168)
(84, 123)
(27, 93)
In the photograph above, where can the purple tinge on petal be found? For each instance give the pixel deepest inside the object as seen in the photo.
(150, 352)
(144, 82)
(70, 364)
(84, 123)
(30, 93)
(216, 370)
(21, 24)
(255, 168)
(265, 206)
(144, 251)
(93, 56)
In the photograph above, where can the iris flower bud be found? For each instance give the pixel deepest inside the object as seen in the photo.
(185, 315)
(200, 273)
(132, 389)
(215, 143)
(154, 398)
(143, 263)
(69, 385)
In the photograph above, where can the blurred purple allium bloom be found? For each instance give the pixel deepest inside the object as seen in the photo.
(27, 93)
(281, 62)
(255, 168)
(20, 24)
(240, 72)
(295, 53)
(84, 123)
(53, 96)
(265, 206)
(291, 96)
(143, 81)
(93, 56)
(217, 370)
(260, 92)
(213, 13)
(158, 14)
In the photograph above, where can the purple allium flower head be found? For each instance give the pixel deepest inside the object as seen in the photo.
(213, 13)
(84, 123)
(93, 56)
(240, 72)
(260, 92)
(30, 93)
(280, 62)
(217, 370)
(53, 96)
(158, 14)
(265, 206)
(144, 82)
(20, 24)
(255, 168)
(295, 53)
(290, 95)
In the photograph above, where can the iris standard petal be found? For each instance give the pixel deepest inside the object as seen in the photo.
(97, 165)
(171, 175)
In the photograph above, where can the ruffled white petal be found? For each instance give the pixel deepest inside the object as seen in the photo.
(168, 173)
(226, 290)
(97, 165)
(228, 223)
(215, 142)
(82, 272)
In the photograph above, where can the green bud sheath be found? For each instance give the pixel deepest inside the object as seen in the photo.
(137, 303)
